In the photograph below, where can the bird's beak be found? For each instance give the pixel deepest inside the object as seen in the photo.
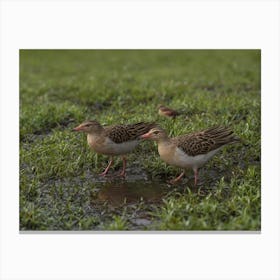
(78, 128)
(145, 136)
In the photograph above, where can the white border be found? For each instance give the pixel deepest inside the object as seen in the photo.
(125, 24)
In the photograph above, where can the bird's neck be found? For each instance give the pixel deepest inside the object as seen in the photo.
(165, 141)
(97, 131)
(165, 147)
(94, 138)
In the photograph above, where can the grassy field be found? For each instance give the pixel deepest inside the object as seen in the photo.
(59, 185)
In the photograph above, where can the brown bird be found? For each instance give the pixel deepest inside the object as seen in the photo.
(113, 140)
(191, 150)
(167, 112)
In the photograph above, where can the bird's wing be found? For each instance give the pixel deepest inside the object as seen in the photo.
(205, 141)
(130, 132)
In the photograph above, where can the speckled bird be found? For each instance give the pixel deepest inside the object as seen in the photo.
(191, 150)
(117, 140)
(167, 112)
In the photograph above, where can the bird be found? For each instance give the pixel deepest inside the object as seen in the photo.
(116, 140)
(192, 150)
(167, 112)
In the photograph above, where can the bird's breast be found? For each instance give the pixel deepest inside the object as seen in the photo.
(175, 156)
(104, 145)
(166, 153)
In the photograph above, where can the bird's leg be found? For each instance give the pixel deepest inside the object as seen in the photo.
(122, 174)
(195, 176)
(107, 168)
(173, 181)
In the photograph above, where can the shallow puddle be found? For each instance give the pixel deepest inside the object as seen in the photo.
(119, 192)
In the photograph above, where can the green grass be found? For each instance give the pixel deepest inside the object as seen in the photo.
(59, 186)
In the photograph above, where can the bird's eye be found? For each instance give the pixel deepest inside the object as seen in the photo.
(156, 132)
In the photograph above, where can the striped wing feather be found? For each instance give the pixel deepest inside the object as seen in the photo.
(205, 141)
(130, 132)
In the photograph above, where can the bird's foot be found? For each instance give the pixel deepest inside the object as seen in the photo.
(122, 174)
(172, 182)
(103, 174)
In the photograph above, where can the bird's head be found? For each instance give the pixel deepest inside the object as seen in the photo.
(156, 134)
(89, 127)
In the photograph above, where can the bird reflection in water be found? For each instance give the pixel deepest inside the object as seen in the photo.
(119, 192)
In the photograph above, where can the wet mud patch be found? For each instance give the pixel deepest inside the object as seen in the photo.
(138, 201)
(92, 202)
(134, 200)
(129, 192)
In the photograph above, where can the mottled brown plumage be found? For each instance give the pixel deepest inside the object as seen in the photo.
(129, 132)
(113, 140)
(205, 141)
(191, 150)
(167, 112)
